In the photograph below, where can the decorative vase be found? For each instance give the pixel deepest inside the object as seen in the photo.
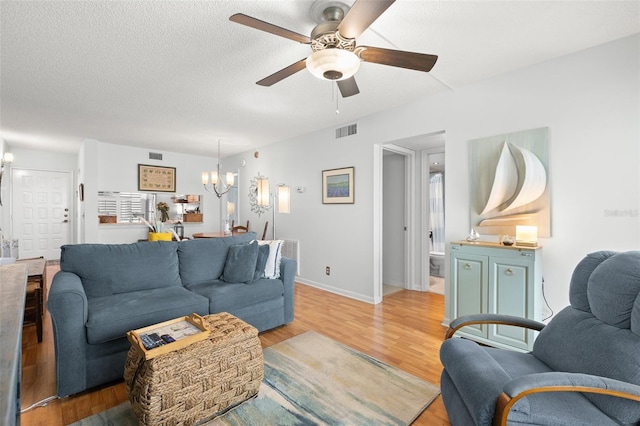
(160, 236)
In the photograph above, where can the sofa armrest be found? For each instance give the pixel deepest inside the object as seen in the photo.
(560, 382)
(288, 269)
(463, 321)
(67, 304)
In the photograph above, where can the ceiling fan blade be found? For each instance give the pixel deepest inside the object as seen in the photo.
(348, 87)
(283, 73)
(243, 19)
(397, 58)
(361, 15)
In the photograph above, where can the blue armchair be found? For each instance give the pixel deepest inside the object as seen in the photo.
(584, 368)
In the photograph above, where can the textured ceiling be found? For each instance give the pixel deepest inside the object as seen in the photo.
(178, 75)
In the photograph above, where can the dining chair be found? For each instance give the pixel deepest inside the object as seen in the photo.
(264, 233)
(239, 228)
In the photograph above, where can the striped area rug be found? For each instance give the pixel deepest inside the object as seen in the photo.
(311, 379)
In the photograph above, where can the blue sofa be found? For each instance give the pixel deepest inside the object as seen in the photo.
(584, 368)
(104, 290)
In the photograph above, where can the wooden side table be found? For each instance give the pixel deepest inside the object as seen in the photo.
(36, 286)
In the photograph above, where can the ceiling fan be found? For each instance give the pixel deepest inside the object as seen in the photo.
(335, 55)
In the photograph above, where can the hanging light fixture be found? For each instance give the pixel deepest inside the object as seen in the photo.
(217, 186)
(333, 64)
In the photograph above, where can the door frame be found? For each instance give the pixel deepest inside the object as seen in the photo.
(410, 184)
(71, 194)
(425, 210)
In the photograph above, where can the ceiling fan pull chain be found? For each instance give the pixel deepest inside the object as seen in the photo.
(335, 93)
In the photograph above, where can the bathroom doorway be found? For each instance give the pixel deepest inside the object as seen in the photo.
(436, 183)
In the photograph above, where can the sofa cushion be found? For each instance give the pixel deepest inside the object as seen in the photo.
(261, 261)
(580, 279)
(106, 269)
(272, 266)
(240, 265)
(110, 317)
(202, 259)
(230, 296)
(613, 289)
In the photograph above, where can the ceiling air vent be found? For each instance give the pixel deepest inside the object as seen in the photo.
(348, 130)
(155, 156)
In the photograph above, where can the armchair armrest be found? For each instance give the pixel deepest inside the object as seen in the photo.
(463, 321)
(560, 382)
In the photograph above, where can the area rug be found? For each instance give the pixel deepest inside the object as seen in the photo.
(311, 379)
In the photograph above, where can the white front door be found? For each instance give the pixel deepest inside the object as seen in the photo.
(41, 212)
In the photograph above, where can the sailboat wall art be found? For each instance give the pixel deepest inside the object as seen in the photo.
(510, 182)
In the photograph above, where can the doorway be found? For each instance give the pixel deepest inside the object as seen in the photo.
(40, 211)
(416, 202)
(394, 227)
(399, 228)
(436, 183)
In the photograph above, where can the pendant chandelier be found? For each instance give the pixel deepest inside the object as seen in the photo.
(217, 186)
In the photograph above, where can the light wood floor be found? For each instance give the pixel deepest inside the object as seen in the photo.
(403, 331)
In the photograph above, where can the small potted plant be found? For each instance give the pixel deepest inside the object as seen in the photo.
(163, 208)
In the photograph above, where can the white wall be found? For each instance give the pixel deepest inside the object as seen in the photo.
(108, 167)
(589, 101)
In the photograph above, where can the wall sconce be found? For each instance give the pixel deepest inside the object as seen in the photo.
(526, 236)
(264, 196)
(7, 158)
(283, 194)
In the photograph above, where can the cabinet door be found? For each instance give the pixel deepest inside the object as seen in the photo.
(470, 295)
(510, 284)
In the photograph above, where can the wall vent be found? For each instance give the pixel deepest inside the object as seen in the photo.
(155, 156)
(348, 130)
(291, 249)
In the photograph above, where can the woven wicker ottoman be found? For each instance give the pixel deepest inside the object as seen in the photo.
(199, 381)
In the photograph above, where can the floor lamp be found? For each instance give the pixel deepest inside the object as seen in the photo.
(282, 195)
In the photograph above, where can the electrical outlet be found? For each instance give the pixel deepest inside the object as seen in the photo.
(328, 270)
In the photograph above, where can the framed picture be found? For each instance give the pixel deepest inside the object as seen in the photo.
(156, 178)
(338, 186)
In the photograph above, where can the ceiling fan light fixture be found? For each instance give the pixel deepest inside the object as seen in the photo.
(333, 64)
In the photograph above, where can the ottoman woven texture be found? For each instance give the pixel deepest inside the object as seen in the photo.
(197, 382)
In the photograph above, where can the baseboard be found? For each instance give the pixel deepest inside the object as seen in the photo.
(338, 291)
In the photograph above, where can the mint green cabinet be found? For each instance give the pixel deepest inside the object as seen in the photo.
(492, 278)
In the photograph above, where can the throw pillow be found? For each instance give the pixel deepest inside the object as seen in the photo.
(263, 255)
(241, 263)
(272, 267)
